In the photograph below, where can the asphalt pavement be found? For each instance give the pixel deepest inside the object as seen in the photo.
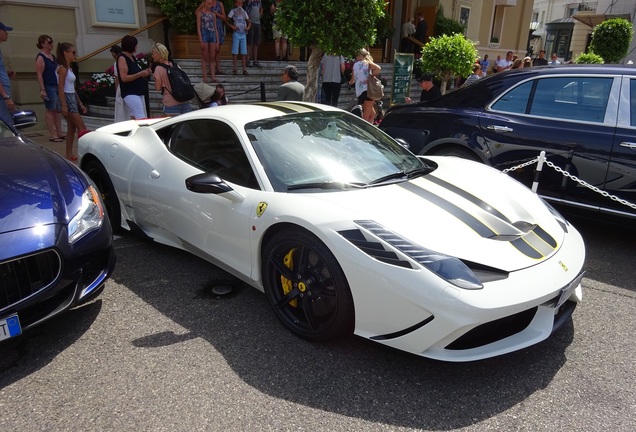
(42, 137)
(158, 351)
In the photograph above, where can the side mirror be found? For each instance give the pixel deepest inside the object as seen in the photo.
(24, 119)
(403, 143)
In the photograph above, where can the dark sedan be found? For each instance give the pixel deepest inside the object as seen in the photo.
(584, 117)
(56, 244)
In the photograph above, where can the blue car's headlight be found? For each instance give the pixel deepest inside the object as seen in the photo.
(89, 217)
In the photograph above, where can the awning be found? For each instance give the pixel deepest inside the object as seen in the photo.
(593, 19)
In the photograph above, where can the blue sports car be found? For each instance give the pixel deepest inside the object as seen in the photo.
(56, 244)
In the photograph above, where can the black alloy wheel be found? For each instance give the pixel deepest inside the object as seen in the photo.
(306, 286)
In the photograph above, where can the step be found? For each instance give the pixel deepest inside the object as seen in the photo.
(238, 88)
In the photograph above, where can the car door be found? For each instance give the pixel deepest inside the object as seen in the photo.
(214, 226)
(571, 117)
(621, 175)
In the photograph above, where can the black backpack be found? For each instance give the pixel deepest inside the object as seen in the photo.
(182, 90)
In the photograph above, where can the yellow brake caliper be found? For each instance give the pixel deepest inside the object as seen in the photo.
(286, 283)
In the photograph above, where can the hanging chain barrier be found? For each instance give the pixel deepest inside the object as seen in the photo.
(541, 159)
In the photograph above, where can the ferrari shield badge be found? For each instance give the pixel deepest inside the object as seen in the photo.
(260, 208)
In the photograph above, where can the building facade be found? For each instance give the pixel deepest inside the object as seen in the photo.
(94, 25)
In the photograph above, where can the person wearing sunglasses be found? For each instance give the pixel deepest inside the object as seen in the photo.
(69, 103)
(45, 65)
(7, 106)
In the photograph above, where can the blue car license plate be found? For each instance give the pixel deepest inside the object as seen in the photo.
(10, 327)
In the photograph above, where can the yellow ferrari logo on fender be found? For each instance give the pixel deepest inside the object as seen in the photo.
(260, 208)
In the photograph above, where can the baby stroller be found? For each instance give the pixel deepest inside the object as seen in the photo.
(203, 92)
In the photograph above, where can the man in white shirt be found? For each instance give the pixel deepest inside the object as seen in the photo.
(504, 64)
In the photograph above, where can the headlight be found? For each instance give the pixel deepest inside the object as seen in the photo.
(90, 216)
(449, 268)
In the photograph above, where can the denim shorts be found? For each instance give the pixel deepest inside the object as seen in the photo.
(51, 94)
(208, 36)
(181, 108)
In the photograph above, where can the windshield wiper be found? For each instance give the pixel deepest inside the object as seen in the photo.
(393, 176)
(326, 185)
(419, 172)
(399, 175)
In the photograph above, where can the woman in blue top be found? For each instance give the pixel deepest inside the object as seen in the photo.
(45, 65)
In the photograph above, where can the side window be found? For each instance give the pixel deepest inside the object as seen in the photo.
(572, 98)
(515, 101)
(212, 146)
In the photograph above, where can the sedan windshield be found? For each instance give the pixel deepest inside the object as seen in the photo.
(329, 150)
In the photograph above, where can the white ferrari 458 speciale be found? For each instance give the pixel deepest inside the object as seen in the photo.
(343, 228)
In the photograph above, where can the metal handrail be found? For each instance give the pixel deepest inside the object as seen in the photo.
(105, 47)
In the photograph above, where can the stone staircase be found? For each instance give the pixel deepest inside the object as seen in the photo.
(239, 88)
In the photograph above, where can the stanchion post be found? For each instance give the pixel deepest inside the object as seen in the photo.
(537, 172)
(263, 95)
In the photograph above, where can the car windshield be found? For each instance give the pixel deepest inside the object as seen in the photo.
(329, 150)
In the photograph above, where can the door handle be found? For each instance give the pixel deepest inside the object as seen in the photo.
(497, 128)
(630, 145)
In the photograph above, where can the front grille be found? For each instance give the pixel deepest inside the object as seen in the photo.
(23, 277)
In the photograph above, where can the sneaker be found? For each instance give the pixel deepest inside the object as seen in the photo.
(250, 63)
(257, 64)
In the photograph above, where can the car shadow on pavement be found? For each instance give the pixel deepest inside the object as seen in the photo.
(351, 377)
(610, 251)
(38, 346)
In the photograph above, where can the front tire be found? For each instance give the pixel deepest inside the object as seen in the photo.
(98, 174)
(306, 286)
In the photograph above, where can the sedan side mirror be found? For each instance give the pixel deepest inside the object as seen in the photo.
(24, 119)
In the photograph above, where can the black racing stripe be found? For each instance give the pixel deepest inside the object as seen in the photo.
(284, 110)
(543, 235)
(468, 196)
(288, 108)
(403, 332)
(526, 249)
(470, 220)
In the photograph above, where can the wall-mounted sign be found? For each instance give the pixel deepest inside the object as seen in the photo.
(115, 13)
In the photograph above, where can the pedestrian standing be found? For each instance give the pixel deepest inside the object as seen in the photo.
(280, 40)
(333, 67)
(291, 89)
(7, 106)
(122, 113)
(241, 25)
(208, 38)
(45, 65)
(254, 9)
(363, 69)
(132, 79)
(69, 103)
(171, 107)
